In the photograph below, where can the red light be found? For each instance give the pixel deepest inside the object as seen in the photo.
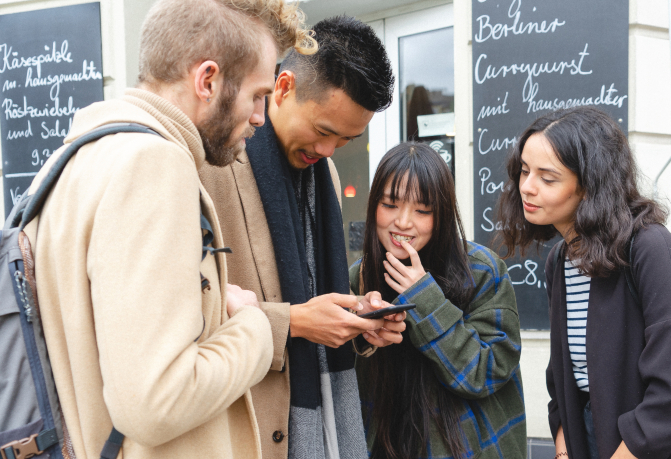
(350, 191)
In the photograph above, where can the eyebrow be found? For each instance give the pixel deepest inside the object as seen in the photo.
(544, 169)
(331, 131)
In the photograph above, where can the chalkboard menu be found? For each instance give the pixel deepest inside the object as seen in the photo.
(531, 57)
(50, 66)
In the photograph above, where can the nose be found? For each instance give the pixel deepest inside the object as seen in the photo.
(527, 185)
(404, 218)
(258, 115)
(327, 146)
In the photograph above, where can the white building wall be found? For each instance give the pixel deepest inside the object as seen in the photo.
(650, 91)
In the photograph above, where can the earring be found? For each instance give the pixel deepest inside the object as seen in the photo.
(208, 100)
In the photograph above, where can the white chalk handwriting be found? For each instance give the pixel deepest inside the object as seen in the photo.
(488, 110)
(11, 59)
(495, 144)
(486, 30)
(491, 226)
(606, 97)
(56, 131)
(11, 135)
(15, 111)
(531, 278)
(88, 72)
(531, 70)
(8, 84)
(490, 187)
(38, 160)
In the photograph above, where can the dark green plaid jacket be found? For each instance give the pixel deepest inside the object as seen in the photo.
(475, 354)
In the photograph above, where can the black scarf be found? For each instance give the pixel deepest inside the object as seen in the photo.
(273, 175)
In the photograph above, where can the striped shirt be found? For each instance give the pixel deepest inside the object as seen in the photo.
(577, 297)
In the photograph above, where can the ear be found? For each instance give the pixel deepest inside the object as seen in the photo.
(284, 86)
(207, 78)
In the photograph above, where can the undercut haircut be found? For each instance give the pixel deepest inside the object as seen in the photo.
(350, 57)
(178, 34)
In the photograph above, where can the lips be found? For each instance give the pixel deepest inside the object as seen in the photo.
(396, 239)
(530, 207)
(308, 159)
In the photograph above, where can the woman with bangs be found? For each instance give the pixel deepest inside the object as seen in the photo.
(452, 388)
(573, 174)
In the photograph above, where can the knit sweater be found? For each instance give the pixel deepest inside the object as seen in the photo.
(475, 352)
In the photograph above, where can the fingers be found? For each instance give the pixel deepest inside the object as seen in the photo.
(390, 336)
(375, 299)
(382, 337)
(400, 317)
(232, 288)
(392, 326)
(367, 324)
(414, 256)
(237, 297)
(375, 340)
(345, 301)
(392, 284)
(398, 266)
(398, 277)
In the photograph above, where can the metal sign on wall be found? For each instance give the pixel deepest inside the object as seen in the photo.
(50, 66)
(531, 57)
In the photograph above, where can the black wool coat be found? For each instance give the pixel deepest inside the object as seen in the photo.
(628, 355)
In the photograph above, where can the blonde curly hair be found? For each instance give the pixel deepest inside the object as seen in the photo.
(178, 34)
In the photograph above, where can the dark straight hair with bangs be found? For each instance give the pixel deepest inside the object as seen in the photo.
(591, 145)
(399, 380)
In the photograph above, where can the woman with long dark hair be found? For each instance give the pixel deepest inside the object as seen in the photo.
(572, 173)
(452, 388)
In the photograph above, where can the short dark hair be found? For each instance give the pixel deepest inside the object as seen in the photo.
(350, 57)
(591, 145)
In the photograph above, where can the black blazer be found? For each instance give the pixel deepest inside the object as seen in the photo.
(628, 355)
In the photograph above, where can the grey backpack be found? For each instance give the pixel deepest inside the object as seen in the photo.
(31, 421)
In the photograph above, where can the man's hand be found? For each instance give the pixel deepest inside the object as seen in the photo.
(393, 325)
(323, 320)
(237, 298)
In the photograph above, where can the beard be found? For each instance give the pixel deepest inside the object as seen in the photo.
(217, 130)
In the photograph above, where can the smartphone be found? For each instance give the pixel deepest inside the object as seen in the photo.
(384, 312)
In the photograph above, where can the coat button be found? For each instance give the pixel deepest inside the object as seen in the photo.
(278, 436)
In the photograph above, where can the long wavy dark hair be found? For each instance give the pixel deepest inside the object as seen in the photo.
(399, 380)
(591, 144)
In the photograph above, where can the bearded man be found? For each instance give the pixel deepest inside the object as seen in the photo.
(137, 339)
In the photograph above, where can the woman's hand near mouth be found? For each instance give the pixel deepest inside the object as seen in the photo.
(401, 277)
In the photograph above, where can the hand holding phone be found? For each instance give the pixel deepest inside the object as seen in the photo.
(383, 312)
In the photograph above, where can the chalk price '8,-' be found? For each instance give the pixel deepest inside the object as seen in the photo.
(531, 278)
(38, 160)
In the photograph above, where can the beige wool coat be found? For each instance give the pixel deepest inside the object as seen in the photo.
(132, 339)
(252, 266)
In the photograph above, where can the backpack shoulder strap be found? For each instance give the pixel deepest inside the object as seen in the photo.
(559, 247)
(36, 201)
(628, 273)
(30, 205)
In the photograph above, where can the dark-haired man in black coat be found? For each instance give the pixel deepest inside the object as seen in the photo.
(279, 210)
